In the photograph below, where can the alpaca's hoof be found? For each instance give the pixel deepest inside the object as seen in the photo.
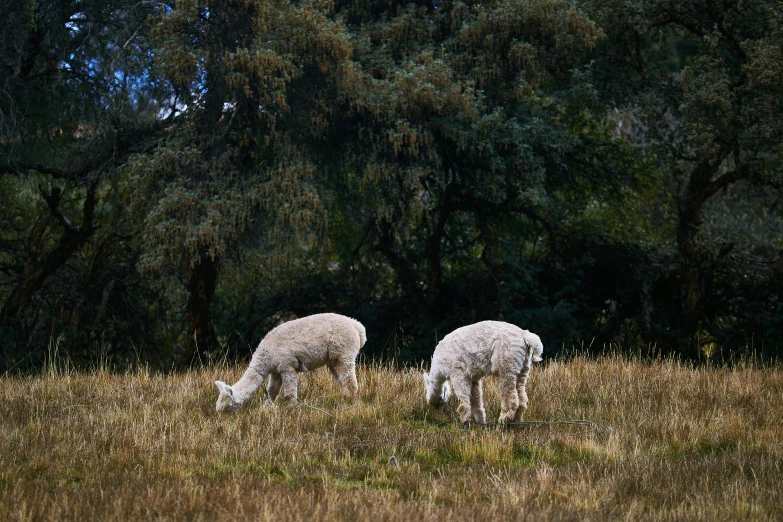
(351, 393)
(504, 426)
(465, 425)
(269, 403)
(504, 419)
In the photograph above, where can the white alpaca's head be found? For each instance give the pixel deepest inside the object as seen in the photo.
(226, 401)
(435, 394)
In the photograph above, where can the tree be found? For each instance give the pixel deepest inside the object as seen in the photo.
(72, 105)
(247, 78)
(702, 73)
(463, 122)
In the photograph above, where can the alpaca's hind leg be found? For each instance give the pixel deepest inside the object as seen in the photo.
(275, 382)
(509, 400)
(477, 402)
(290, 385)
(462, 389)
(523, 400)
(344, 371)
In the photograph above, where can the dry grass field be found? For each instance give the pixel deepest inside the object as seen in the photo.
(675, 442)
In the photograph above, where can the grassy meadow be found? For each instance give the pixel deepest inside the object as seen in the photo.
(673, 442)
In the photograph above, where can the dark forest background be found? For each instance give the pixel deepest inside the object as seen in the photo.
(178, 177)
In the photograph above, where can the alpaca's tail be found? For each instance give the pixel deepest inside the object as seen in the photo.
(534, 344)
(537, 351)
(362, 334)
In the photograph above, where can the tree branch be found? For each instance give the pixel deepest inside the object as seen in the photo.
(53, 202)
(726, 179)
(37, 271)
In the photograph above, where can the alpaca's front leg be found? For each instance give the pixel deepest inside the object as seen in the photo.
(509, 400)
(290, 385)
(477, 403)
(461, 387)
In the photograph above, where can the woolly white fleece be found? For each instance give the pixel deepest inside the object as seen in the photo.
(300, 345)
(469, 353)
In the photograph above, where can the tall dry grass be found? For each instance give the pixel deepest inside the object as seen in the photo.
(679, 443)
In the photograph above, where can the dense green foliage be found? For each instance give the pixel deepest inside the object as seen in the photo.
(176, 178)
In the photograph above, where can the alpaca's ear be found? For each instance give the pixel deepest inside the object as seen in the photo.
(223, 387)
(426, 377)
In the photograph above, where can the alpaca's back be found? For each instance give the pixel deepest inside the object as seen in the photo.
(313, 340)
(484, 348)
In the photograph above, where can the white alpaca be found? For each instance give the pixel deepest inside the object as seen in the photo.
(487, 348)
(300, 345)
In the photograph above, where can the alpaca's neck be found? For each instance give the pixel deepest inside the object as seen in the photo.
(248, 384)
(439, 371)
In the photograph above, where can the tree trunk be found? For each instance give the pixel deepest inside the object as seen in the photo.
(201, 282)
(402, 269)
(648, 307)
(687, 250)
(696, 194)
